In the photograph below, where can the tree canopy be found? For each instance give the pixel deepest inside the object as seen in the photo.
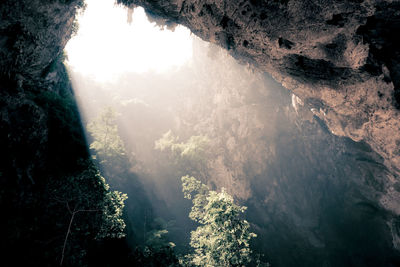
(190, 156)
(107, 143)
(222, 239)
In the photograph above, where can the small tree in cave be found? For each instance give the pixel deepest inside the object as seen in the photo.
(156, 238)
(222, 239)
(190, 156)
(106, 141)
(110, 153)
(112, 159)
(92, 209)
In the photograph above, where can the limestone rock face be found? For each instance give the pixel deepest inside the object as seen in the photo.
(35, 109)
(340, 57)
(32, 35)
(311, 195)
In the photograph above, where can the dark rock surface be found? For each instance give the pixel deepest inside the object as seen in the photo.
(32, 38)
(32, 35)
(340, 57)
(41, 136)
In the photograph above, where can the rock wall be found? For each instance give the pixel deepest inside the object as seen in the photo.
(44, 154)
(340, 58)
(311, 195)
(32, 35)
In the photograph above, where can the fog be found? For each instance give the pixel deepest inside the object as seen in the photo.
(306, 189)
(194, 99)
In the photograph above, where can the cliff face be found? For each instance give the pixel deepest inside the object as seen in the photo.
(311, 195)
(32, 35)
(340, 58)
(44, 161)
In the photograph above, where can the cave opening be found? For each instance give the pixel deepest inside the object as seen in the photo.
(108, 43)
(156, 93)
(135, 83)
(169, 120)
(138, 107)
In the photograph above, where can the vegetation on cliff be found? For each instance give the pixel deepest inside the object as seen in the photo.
(222, 239)
(56, 200)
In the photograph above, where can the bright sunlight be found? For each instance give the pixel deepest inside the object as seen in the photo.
(106, 46)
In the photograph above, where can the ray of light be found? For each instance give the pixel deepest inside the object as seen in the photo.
(107, 46)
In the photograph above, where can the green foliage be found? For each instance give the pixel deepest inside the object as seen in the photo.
(190, 156)
(222, 239)
(167, 142)
(157, 237)
(195, 148)
(52, 187)
(87, 210)
(113, 224)
(88, 193)
(107, 143)
(112, 159)
(157, 250)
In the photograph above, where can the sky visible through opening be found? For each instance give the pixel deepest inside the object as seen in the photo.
(106, 46)
(159, 81)
(265, 147)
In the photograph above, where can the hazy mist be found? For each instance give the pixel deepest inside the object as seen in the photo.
(265, 147)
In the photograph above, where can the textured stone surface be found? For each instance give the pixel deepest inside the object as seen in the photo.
(33, 88)
(32, 35)
(340, 57)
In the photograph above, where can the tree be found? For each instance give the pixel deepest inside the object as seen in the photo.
(93, 211)
(107, 143)
(157, 250)
(156, 238)
(222, 239)
(190, 156)
(112, 159)
(109, 151)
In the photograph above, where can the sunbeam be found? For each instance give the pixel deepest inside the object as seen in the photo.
(107, 46)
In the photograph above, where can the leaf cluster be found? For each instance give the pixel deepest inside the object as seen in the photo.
(88, 191)
(107, 143)
(222, 239)
(190, 156)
